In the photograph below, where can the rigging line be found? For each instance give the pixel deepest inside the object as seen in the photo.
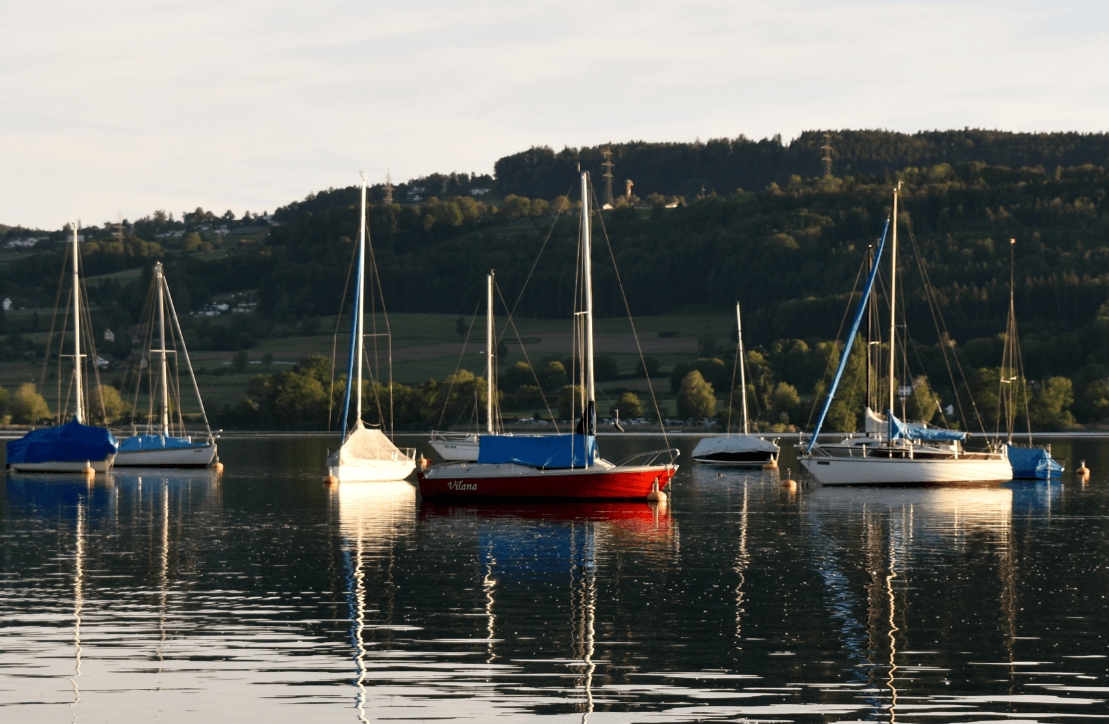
(53, 318)
(938, 319)
(523, 350)
(635, 335)
(133, 372)
(916, 393)
(90, 344)
(458, 367)
(831, 364)
(188, 362)
(731, 389)
(61, 346)
(538, 256)
(335, 340)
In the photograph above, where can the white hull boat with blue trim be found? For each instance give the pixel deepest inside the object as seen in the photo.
(165, 445)
(893, 452)
(366, 453)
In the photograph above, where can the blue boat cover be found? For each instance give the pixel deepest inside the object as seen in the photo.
(1033, 462)
(542, 451)
(138, 443)
(899, 430)
(71, 442)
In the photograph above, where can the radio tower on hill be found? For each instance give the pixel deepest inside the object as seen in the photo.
(827, 148)
(607, 165)
(388, 189)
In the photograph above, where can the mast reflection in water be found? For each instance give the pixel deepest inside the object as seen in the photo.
(263, 595)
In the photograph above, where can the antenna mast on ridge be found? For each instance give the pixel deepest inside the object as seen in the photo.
(608, 166)
(388, 189)
(827, 159)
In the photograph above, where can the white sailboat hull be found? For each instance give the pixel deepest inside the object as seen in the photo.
(185, 457)
(73, 466)
(385, 472)
(902, 471)
(461, 450)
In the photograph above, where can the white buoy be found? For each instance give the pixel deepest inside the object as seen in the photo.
(656, 495)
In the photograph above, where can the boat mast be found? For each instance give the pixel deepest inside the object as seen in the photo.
(893, 300)
(358, 310)
(79, 415)
(489, 353)
(159, 279)
(1009, 355)
(742, 375)
(590, 411)
(869, 326)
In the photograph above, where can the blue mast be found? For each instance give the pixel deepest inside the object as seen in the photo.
(353, 336)
(850, 337)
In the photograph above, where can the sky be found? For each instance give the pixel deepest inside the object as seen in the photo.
(117, 108)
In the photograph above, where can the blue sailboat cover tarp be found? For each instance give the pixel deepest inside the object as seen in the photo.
(1033, 462)
(901, 430)
(543, 451)
(140, 443)
(71, 442)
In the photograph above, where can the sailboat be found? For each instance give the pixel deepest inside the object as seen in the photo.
(366, 454)
(159, 447)
(554, 467)
(464, 446)
(891, 451)
(744, 450)
(73, 446)
(1030, 462)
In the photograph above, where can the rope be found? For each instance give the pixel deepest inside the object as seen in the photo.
(335, 341)
(635, 335)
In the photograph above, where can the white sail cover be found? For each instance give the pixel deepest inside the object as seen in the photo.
(733, 444)
(367, 448)
(875, 425)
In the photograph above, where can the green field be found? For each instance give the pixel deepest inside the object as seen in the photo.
(412, 331)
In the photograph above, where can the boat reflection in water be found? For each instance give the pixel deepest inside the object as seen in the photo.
(885, 556)
(559, 551)
(87, 511)
(373, 519)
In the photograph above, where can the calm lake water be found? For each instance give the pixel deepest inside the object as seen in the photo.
(261, 595)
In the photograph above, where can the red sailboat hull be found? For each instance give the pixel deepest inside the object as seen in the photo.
(594, 483)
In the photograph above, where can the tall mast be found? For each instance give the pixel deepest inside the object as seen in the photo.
(587, 273)
(742, 375)
(361, 304)
(160, 280)
(1010, 349)
(80, 412)
(489, 353)
(893, 300)
(869, 326)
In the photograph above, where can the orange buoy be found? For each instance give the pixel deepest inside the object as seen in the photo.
(421, 463)
(331, 480)
(772, 465)
(218, 466)
(656, 495)
(1082, 472)
(88, 472)
(789, 482)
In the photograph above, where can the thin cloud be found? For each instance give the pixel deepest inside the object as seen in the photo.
(125, 107)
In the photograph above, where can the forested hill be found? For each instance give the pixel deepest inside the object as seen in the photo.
(789, 249)
(724, 165)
